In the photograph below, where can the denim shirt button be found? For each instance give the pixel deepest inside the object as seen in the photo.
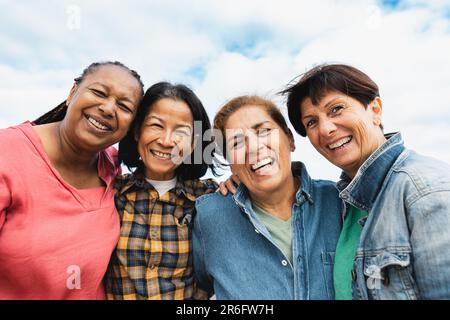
(284, 263)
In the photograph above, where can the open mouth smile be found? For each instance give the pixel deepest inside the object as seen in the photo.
(340, 143)
(266, 162)
(100, 126)
(161, 155)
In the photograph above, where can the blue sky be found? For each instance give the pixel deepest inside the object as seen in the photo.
(226, 48)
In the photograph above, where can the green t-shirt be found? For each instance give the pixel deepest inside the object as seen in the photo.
(345, 253)
(280, 230)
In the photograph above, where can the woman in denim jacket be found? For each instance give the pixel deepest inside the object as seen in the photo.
(395, 242)
(275, 237)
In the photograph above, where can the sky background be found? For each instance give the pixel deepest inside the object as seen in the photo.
(222, 49)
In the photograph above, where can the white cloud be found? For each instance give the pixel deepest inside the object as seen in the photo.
(227, 48)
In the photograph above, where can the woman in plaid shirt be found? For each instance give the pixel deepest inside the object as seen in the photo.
(153, 257)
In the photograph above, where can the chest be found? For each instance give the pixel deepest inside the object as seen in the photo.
(80, 179)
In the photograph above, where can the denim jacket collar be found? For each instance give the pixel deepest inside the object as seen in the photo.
(365, 186)
(304, 193)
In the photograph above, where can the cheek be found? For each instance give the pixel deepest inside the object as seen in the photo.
(184, 149)
(144, 140)
(313, 139)
(125, 122)
(362, 133)
(239, 170)
(141, 149)
(236, 156)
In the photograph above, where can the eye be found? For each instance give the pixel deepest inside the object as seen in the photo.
(310, 123)
(154, 125)
(336, 109)
(182, 133)
(99, 93)
(237, 143)
(263, 132)
(125, 107)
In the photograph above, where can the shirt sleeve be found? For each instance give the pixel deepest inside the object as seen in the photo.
(5, 200)
(429, 219)
(203, 280)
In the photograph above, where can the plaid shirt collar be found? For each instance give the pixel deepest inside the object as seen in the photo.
(133, 182)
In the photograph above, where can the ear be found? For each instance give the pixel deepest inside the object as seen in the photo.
(291, 140)
(376, 107)
(71, 93)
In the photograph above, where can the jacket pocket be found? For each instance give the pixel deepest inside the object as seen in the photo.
(389, 276)
(328, 263)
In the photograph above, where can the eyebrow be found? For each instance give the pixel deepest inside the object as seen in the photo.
(101, 85)
(331, 102)
(254, 127)
(325, 106)
(162, 120)
(105, 87)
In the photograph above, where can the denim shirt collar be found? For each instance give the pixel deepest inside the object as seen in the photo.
(362, 191)
(304, 193)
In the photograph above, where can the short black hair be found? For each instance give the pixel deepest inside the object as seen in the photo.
(58, 113)
(315, 84)
(128, 151)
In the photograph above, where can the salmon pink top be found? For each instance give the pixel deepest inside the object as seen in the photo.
(55, 240)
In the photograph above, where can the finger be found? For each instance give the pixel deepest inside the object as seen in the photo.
(230, 186)
(223, 189)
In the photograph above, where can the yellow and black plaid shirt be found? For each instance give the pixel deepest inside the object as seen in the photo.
(153, 258)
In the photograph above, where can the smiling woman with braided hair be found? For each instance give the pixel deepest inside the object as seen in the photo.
(58, 223)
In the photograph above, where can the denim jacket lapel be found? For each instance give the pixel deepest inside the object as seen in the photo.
(362, 191)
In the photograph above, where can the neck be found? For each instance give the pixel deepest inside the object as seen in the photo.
(160, 180)
(69, 155)
(279, 202)
(377, 144)
(165, 176)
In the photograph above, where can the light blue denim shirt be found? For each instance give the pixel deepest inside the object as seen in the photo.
(404, 251)
(236, 258)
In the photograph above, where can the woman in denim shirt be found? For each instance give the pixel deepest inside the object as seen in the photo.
(395, 242)
(275, 237)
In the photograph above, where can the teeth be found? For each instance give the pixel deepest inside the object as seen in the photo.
(162, 155)
(340, 143)
(261, 163)
(98, 124)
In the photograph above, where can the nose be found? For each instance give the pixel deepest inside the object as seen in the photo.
(254, 145)
(108, 108)
(166, 139)
(326, 127)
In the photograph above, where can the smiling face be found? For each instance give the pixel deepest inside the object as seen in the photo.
(165, 138)
(258, 149)
(101, 108)
(343, 130)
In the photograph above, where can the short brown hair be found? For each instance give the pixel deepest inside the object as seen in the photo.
(315, 84)
(237, 103)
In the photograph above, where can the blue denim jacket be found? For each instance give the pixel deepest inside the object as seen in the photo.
(404, 251)
(236, 258)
